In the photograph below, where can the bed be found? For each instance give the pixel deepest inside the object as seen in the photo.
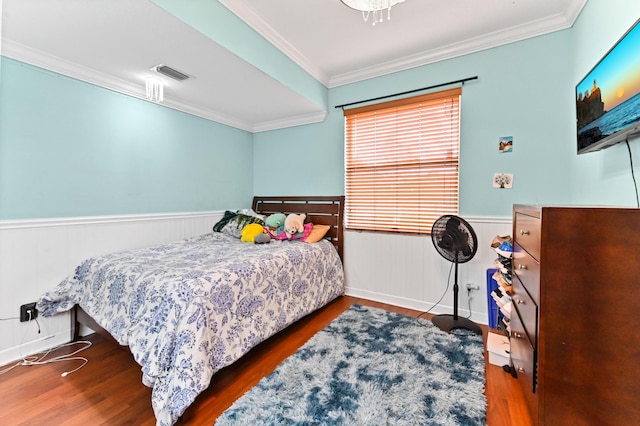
(189, 308)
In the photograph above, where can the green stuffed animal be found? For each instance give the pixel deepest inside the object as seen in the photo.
(275, 221)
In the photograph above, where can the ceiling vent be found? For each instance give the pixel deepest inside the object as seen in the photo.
(170, 72)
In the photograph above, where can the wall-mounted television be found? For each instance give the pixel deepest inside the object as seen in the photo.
(608, 97)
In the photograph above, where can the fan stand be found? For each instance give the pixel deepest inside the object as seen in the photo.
(446, 322)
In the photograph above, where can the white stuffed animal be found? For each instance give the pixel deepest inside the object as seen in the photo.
(294, 223)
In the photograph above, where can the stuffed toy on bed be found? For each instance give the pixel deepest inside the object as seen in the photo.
(275, 220)
(292, 227)
(294, 224)
(232, 223)
(254, 233)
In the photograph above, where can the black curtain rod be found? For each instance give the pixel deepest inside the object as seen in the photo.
(409, 91)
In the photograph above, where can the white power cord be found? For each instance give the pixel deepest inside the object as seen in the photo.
(38, 359)
(34, 360)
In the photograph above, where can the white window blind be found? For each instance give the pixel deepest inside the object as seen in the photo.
(401, 160)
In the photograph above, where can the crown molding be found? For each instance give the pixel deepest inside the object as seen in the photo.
(240, 8)
(245, 12)
(55, 64)
(573, 10)
(76, 71)
(498, 38)
(38, 58)
(315, 117)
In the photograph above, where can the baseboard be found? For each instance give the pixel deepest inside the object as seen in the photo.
(440, 308)
(16, 354)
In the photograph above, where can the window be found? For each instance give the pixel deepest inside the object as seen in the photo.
(401, 160)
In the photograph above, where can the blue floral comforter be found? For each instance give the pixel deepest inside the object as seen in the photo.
(189, 308)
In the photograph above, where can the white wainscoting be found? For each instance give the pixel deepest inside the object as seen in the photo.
(407, 271)
(35, 255)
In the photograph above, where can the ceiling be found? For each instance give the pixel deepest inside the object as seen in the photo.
(114, 43)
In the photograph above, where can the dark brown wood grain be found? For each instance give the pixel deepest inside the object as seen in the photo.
(109, 391)
(320, 210)
(587, 345)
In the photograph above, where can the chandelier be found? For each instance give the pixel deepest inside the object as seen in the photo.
(373, 8)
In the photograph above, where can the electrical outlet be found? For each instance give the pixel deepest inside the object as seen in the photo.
(28, 312)
(471, 286)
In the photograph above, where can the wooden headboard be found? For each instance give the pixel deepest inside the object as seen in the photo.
(321, 210)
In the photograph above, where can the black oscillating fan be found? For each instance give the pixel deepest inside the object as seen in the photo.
(456, 241)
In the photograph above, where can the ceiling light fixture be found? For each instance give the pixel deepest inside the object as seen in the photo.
(155, 89)
(375, 8)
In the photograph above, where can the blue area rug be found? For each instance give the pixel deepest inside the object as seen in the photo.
(372, 367)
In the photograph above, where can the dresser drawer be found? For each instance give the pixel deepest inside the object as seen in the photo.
(526, 232)
(522, 353)
(527, 310)
(528, 270)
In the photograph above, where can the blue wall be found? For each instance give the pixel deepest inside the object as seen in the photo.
(522, 91)
(603, 177)
(69, 148)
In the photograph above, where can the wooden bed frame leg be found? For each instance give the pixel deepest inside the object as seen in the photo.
(75, 326)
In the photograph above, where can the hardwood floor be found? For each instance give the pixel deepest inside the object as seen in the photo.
(108, 390)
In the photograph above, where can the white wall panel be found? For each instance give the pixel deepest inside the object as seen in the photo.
(401, 270)
(35, 255)
(406, 270)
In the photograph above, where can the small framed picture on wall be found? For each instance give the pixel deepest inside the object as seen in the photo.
(505, 144)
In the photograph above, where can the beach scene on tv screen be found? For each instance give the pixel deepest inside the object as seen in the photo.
(608, 98)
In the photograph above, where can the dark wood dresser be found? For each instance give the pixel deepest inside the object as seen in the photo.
(575, 329)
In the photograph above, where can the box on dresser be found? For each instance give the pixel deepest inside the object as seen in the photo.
(498, 349)
(575, 326)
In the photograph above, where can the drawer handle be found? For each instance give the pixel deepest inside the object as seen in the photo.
(517, 335)
(520, 301)
(521, 266)
(523, 232)
(520, 370)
